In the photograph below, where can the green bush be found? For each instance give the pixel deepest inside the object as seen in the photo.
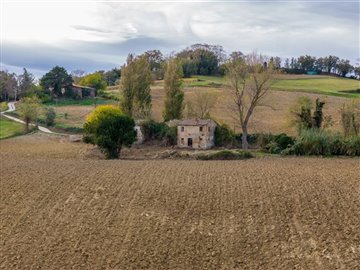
(50, 116)
(224, 136)
(171, 136)
(226, 155)
(317, 142)
(274, 144)
(153, 130)
(313, 142)
(43, 95)
(110, 129)
(3, 106)
(351, 146)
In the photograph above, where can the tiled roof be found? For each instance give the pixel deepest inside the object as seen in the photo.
(196, 122)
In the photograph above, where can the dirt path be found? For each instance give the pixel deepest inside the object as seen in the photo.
(12, 108)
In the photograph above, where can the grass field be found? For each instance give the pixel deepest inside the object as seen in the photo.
(320, 85)
(325, 85)
(9, 128)
(79, 102)
(63, 210)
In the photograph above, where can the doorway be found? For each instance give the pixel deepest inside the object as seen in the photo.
(190, 142)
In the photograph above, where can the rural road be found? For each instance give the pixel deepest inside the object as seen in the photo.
(12, 108)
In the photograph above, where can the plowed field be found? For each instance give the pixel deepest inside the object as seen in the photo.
(65, 212)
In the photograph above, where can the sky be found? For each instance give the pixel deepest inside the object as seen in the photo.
(95, 35)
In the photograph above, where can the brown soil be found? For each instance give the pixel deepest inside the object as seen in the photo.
(62, 210)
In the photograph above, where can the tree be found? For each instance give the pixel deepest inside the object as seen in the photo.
(77, 75)
(188, 67)
(207, 62)
(303, 117)
(344, 67)
(56, 79)
(50, 116)
(236, 55)
(357, 72)
(25, 82)
(110, 129)
(142, 82)
(135, 87)
(8, 85)
(249, 82)
(204, 57)
(112, 76)
(217, 50)
(319, 64)
(307, 62)
(94, 80)
(174, 100)
(29, 109)
(330, 63)
(201, 104)
(156, 61)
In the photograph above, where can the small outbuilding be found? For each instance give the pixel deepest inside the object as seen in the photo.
(83, 91)
(196, 133)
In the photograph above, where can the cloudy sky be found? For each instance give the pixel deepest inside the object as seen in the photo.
(93, 35)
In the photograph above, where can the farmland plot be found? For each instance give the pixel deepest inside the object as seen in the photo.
(64, 212)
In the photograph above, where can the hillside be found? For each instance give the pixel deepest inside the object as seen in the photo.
(269, 118)
(318, 84)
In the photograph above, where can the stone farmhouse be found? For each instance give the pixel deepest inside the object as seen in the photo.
(196, 133)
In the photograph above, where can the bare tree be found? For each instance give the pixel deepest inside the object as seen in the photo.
(250, 80)
(201, 104)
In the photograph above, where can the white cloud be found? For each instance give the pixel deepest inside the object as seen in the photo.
(107, 31)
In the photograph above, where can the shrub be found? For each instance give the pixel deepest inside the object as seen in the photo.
(317, 142)
(350, 119)
(50, 116)
(43, 95)
(274, 144)
(224, 136)
(3, 106)
(351, 146)
(226, 155)
(110, 129)
(304, 115)
(171, 136)
(153, 130)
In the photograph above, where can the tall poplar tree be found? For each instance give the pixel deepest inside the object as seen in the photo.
(174, 101)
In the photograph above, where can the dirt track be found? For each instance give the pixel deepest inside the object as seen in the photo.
(62, 212)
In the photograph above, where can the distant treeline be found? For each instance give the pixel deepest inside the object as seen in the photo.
(197, 59)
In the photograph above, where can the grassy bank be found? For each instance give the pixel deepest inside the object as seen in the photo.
(10, 128)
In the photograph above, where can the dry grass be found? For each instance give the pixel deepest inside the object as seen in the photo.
(60, 211)
(272, 117)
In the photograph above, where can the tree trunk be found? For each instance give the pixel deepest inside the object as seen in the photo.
(245, 144)
(119, 149)
(27, 125)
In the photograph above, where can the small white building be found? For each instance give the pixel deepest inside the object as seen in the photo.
(196, 133)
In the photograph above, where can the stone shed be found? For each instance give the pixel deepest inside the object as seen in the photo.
(83, 91)
(196, 133)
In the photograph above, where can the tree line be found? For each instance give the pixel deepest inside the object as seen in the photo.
(197, 59)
